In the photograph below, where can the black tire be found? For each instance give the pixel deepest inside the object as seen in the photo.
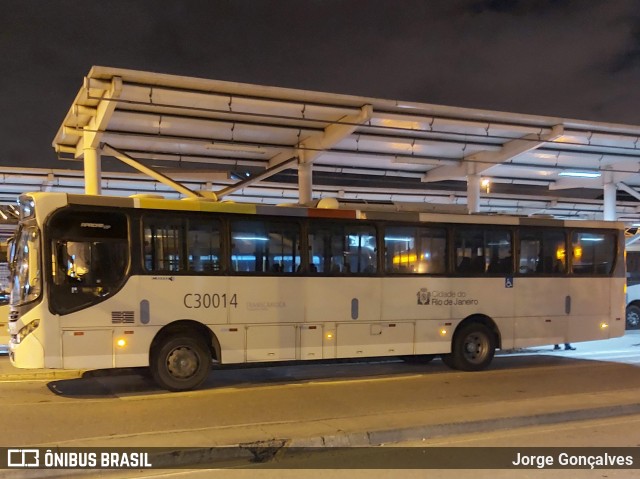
(472, 349)
(633, 316)
(447, 359)
(180, 363)
(418, 358)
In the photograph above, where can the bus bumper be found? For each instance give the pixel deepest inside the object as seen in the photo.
(29, 354)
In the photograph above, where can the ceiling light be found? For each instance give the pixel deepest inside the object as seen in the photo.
(580, 174)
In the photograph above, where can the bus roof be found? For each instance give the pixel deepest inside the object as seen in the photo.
(148, 202)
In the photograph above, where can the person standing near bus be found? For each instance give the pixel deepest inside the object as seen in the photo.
(567, 347)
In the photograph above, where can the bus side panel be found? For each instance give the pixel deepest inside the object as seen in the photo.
(617, 316)
(266, 299)
(271, 342)
(311, 341)
(374, 339)
(348, 307)
(135, 351)
(590, 308)
(232, 343)
(425, 301)
(87, 349)
(540, 312)
(336, 299)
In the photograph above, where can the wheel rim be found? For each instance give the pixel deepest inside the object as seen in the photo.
(182, 362)
(475, 348)
(633, 319)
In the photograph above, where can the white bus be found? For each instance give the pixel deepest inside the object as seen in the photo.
(176, 285)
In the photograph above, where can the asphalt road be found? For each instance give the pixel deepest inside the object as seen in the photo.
(252, 404)
(354, 463)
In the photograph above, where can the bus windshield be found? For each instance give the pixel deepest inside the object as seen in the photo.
(26, 277)
(90, 258)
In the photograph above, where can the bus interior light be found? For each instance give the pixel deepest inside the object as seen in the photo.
(250, 238)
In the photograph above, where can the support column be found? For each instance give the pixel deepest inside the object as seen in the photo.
(305, 182)
(473, 193)
(92, 171)
(610, 201)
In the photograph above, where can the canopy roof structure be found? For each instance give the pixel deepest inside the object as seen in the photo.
(264, 144)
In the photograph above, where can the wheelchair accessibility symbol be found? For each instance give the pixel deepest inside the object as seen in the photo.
(508, 282)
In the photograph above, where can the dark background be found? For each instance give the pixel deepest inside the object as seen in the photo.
(567, 58)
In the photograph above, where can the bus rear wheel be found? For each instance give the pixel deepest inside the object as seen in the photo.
(633, 316)
(472, 349)
(180, 363)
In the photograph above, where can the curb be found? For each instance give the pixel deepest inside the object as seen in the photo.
(390, 436)
(264, 452)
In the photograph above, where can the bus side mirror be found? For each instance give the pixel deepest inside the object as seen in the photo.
(10, 251)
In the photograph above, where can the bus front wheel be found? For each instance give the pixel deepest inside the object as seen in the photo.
(472, 349)
(180, 363)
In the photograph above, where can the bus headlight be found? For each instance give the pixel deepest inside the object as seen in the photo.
(27, 330)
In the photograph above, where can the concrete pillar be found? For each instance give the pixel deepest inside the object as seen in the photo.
(473, 193)
(610, 201)
(305, 183)
(92, 171)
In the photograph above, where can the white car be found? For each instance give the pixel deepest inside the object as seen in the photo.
(633, 306)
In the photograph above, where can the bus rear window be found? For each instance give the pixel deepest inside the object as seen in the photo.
(593, 253)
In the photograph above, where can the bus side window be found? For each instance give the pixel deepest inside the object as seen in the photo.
(343, 248)
(163, 240)
(469, 251)
(265, 246)
(325, 248)
(415, 250)
(498, 248)
(542, 252)
(203, 246)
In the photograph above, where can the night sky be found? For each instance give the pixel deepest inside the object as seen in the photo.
(568, 58)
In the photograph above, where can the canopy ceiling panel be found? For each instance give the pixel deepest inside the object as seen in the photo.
(174, 122)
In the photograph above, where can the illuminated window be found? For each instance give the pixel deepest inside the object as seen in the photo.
(415, 250)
